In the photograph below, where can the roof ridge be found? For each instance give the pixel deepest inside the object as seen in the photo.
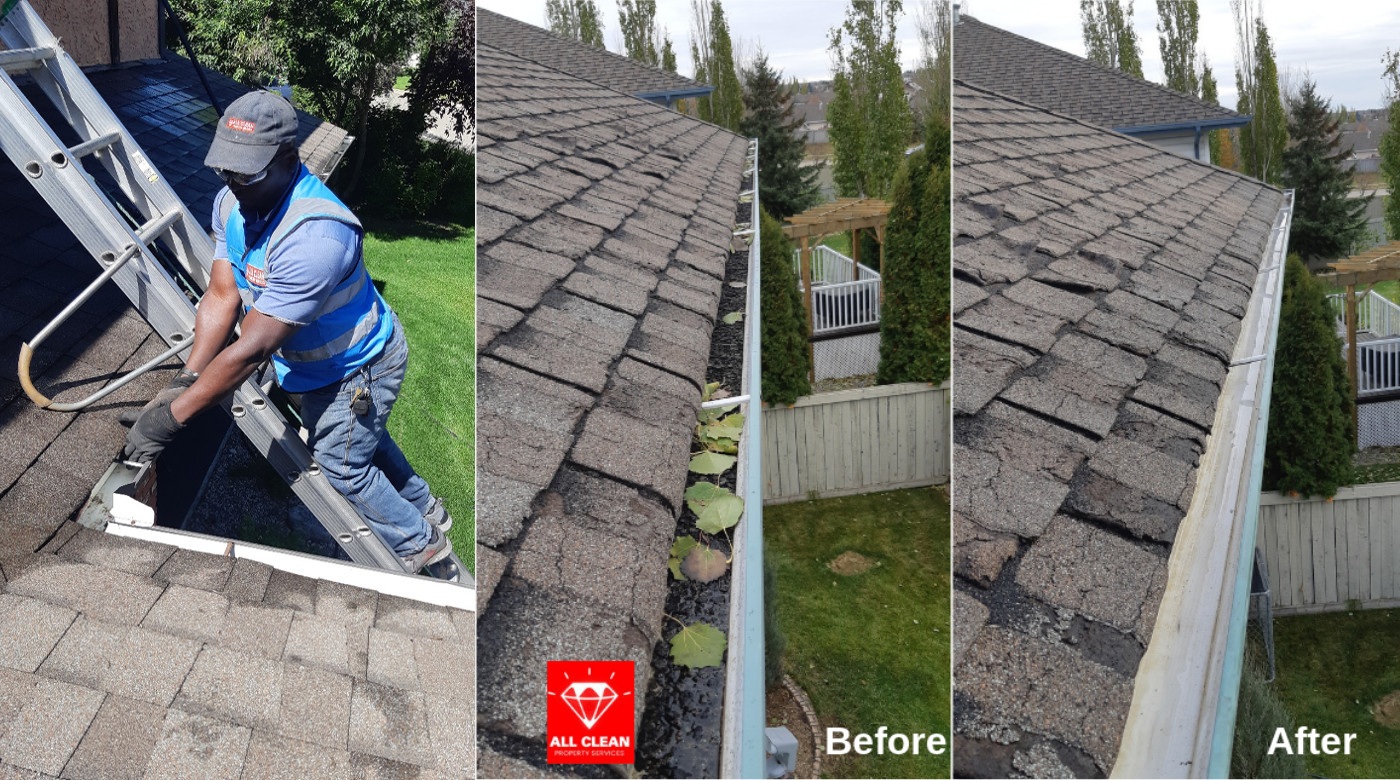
(483, 44)
(579, 44)
(1139, 141)
(1114, 72)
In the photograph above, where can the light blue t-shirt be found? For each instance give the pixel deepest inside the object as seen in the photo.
(303, 269)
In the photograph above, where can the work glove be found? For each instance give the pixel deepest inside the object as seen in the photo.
(179, 384)
(154, 429)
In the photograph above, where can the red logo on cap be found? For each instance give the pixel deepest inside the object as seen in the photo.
(241, 125)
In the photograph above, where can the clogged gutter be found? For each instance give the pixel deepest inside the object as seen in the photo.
(680, 732)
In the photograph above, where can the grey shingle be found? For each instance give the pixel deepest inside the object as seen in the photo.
(197, 746)
(45, 733)
(391, 723)
(236, 687)
(118, 743)
(29, 629)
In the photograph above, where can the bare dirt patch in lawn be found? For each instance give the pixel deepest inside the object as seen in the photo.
(850, 563)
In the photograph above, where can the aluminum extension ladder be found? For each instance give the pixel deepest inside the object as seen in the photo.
(126, 256)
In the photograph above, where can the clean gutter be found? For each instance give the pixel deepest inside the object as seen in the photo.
(669, 95)
(1185, 696)
(742, 748)
(1197, 126)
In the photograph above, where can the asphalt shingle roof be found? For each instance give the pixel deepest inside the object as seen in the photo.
(126, 659)
(603, 230)
(1099, 284)
(599, 66)
(1068, 84)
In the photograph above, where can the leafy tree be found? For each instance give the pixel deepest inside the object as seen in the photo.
(1178, 26)
(1390, 144)
(577, 20)
(445, 82)
(935, 23)
(1210, 94)
(915, 315)
(1256, 79)
(785, 359)
(1310, 424)
(868, 118)
(787, 187)
(236, 37)
(637, 18)
(712, 51)
(668, 54)
(1326, 224)
(1109, 37)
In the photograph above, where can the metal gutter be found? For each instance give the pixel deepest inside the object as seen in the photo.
(1181, 721)
(1194, 124)
(418, 588)
(742, 752)
(670, 95)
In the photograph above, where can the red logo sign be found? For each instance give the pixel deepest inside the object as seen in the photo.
(256, 276)
(241, 125)
(590, 712)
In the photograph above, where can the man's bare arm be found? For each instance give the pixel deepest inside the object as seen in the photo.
(217, 314)
(261, 336)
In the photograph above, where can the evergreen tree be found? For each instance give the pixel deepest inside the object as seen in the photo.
(637, 18)
(915, 315)
(787, 188)
(1310, 424)
(1262, 140)
(1178, 26)
(1390, 145)
(868, 119)
(1210, 95)
(786, 362)
(576, 20)
(1109, 37)
(1326, 224)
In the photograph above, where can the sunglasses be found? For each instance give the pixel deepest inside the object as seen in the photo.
(241, 179)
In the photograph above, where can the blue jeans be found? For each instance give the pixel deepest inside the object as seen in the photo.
(360, 458)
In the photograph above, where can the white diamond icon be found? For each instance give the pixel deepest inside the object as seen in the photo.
(589, 700)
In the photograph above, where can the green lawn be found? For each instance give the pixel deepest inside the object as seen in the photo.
(428, 273)
(871, 649)
(400, 84)
(1332, 669)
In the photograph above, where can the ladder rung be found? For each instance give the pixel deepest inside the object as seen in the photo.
(151, 230)
(19, 60)
(88, 147)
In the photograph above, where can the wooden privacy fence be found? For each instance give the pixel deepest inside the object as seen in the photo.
(856, 441)
(1322, 554)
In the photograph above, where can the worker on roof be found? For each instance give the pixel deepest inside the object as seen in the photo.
(288, 255)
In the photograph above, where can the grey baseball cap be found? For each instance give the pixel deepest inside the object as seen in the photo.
(250, 131)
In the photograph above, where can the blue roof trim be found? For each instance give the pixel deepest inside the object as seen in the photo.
(675, 94)
(1198, 124)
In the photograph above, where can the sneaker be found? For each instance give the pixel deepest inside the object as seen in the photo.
(438, 548)
(437, 515)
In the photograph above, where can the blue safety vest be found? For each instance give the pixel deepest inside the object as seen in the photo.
(352, 326)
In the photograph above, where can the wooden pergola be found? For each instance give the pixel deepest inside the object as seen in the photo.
(1379, 264)
(838, 216)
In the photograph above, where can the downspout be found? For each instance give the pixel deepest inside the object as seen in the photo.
(1227, 708)
(1197, 150)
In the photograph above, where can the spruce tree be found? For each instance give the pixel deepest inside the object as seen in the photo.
(1311, 439)
(1326, 224)
(785, 186)
(786, 362)
(915, 315)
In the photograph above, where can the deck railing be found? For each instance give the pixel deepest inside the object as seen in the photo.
(845, 294)
(1377, 343)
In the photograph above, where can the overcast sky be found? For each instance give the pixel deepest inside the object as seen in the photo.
(793, 32)
(1339, 41)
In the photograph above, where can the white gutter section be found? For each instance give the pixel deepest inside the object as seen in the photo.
(424, 589)
(1182, 715)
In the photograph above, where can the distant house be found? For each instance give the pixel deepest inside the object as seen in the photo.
(1067, 84)
(599, 66)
